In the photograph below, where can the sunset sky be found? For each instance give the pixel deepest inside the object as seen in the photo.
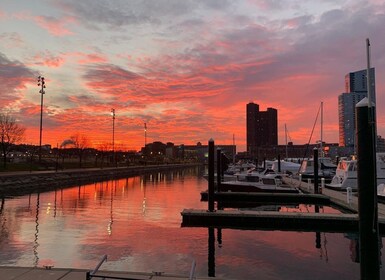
(186, 68)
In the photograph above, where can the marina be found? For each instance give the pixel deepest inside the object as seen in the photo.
(137, 223)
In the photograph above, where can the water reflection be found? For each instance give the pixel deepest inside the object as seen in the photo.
(36, 236)
(211, 253)
(109, 227)
(136, 222)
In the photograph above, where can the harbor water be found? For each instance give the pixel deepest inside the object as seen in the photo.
(136, 222)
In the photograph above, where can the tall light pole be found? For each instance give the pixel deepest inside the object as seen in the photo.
(113, 134)
(41, 83)
(145, 135)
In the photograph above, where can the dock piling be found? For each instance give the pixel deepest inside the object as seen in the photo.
(219, 169)
(315, 156)
(211, 176)
(367, 191)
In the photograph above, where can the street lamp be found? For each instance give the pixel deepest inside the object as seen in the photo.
(145, 135)
(41, 83)
(113, 133)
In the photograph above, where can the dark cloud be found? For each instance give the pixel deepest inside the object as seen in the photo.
(13, 77)
(119, 13)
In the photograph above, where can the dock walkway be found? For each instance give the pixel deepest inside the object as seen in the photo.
(347, 221)
(28, 273)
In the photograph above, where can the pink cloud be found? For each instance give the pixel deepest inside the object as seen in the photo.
(92, 58)
(2, 15)
(47, 59)
(56, 27)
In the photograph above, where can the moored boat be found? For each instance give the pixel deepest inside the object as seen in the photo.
(326, 169)
(265, 185)
(346, 174)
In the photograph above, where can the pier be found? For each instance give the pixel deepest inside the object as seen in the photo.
(28, 273)
(347, 221)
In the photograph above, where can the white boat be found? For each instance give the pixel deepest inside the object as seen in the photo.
(271, 171)
(239, 167)
(286, 167)
(231, 173)
(326, 168)
(346, 174)
(264, 185)
(256, 175)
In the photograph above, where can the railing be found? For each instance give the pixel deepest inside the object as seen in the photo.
(91, 274)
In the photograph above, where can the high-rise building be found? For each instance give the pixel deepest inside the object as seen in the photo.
(355, 90)
(261, 128)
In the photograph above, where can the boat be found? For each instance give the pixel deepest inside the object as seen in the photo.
(286, 167)
(326, 169)
(264, 185)
(271, 171)
(346, 175)
(230, 174)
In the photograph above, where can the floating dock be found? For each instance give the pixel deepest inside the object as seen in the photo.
(28, 273)
(347, 221)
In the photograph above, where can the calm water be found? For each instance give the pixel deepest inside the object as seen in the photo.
(136, 222)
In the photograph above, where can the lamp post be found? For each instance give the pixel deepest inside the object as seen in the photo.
(145, 135)
(113, 134)
(41, 83)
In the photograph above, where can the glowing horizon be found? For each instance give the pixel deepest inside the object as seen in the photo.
(185, 68)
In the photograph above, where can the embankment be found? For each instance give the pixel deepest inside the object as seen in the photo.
(21, 183)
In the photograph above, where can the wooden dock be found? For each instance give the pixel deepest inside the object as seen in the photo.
(28, 273)
(347, 221)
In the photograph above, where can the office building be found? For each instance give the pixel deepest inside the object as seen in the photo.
(355, 90)
(261, 128)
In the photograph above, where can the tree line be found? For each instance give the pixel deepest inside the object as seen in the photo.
(13, 133)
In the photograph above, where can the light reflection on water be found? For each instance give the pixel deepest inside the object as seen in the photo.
(136, 222)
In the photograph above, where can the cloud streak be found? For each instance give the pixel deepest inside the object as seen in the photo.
(187, 68)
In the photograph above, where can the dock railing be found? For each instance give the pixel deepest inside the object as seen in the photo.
(91, 274)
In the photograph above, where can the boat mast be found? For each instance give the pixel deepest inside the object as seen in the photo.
(286, 141)
(233, 148)
(322, 117)
(371, 96)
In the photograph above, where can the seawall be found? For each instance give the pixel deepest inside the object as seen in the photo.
(21, 183)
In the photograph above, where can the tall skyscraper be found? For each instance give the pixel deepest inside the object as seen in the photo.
(261, 128)
(355, 90)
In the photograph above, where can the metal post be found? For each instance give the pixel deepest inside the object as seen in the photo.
(315, 156)
(145, 135)
(279, 163)
(211, 176)
(367, 191)
(41, 83)
(349, 194)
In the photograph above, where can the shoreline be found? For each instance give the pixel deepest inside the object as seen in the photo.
(22, 183)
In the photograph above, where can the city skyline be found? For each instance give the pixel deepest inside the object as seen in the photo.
(186, 69)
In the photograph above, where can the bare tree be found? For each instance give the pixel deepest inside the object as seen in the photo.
(10, 134)
(81, 143)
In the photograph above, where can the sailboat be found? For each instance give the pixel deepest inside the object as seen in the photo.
(326, 168)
